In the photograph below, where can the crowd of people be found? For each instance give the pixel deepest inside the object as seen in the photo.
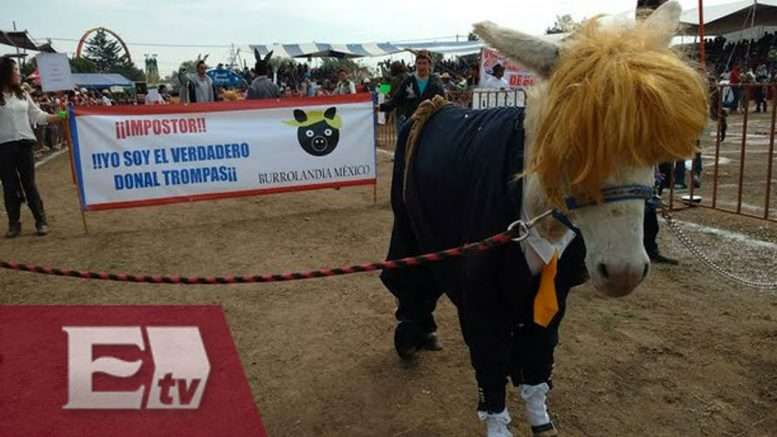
(721, 54)
(743, 69)
(457, 76)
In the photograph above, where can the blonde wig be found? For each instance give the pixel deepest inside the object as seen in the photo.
(617, 97)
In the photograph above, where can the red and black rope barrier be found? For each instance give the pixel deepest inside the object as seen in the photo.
(482, 246)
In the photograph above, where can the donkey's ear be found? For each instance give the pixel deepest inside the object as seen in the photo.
(269, 55)
(532, 52)
(257, 55)
(665, 20)
(300, 115)
(330, 113)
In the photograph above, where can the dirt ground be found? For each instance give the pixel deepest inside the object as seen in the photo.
(686, 355)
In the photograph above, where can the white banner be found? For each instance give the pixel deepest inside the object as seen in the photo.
(54, 71)
(134, 156)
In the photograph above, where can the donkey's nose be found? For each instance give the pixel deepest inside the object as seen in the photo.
(603, 271)
(622, 279)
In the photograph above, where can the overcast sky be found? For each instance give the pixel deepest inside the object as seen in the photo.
(222, 22)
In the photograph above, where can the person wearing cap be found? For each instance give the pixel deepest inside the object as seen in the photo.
(344, 85)
(447, 85)
(105, 99)
(496, 79)
(415, 89)
(366, 85)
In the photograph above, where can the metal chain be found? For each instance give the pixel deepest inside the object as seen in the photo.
(688, 243)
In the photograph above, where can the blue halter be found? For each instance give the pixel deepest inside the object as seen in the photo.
(609, 195)
(615, 194)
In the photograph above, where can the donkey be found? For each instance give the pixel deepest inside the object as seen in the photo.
(614, 101)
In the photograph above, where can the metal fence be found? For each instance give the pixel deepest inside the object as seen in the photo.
(735, 168)
(50, 137)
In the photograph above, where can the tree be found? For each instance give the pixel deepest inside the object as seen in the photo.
(329, 67)
(130, 71)
(105, 56)
(279, 64)
(82, 65)
(564, 24)
(27, 68)
(103, 53)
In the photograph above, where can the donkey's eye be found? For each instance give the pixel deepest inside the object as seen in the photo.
(309, 133)
(328, 132)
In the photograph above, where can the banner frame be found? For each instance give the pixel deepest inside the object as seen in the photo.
(244, 105)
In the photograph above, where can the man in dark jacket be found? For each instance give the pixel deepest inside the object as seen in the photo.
(415, 89)
(650, 226)
(263, 87)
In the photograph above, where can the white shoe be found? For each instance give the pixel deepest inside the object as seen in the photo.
(496, 424)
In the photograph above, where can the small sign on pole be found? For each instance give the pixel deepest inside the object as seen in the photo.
(54, 70)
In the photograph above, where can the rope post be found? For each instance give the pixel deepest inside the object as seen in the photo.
(375, 129)
(71, 157)
(743, 151)
(690, 180)
(702, 49)
(770, 159)
(717, 147)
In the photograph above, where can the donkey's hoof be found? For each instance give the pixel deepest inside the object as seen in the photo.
(547, 430)
(431, 342)
(406, 343)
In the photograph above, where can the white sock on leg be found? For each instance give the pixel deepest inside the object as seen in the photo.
(535, 397)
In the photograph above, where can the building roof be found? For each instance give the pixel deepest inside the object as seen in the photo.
(22, 40)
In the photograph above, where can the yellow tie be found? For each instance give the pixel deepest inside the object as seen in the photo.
(546, 301)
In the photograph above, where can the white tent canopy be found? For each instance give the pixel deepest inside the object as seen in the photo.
(732, 17)
(359, 50)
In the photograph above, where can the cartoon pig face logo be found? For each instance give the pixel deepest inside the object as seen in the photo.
(318, 132)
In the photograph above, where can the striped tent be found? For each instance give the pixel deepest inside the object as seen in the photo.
(322, 50)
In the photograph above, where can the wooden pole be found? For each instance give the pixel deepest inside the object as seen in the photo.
(702, 54)
(70, 155)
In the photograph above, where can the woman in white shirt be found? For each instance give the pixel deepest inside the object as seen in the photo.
(17, 165)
